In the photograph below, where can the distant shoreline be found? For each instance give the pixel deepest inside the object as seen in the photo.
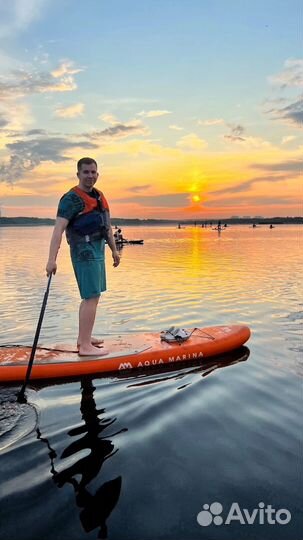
(33, 221)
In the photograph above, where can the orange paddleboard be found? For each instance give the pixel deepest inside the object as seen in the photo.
(126, 352)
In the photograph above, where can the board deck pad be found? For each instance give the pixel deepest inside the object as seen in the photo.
(125, 352)
(46, 354)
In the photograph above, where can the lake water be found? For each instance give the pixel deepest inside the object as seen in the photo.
(139, 457)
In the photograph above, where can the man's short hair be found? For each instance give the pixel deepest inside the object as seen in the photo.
(86, 161)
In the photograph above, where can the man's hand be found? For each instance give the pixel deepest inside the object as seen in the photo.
(51, 268)
(116, 258)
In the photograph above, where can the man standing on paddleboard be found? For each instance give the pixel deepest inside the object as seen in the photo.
(83, 213)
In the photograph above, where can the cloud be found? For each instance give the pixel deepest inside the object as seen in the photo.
(289, 166)
(291, 76)
(175, 127)
(3, 120)
(18, 116)
(192, 142)
(31, 132)
(291, 114)
(246, 185)
(211, 122)
(236, 137)
(65, 68)
(248, 142)
(153, 114)
(23, 82)
(17, 15)
(176, 200)
(26, 155)
(287, 139)
(28, 133)
(137, 189)
(252, 200)
(119, 131)
(70, 112)
(127, 101)
(288, 110)
(280, 172)
(109, 119)
(236, 133)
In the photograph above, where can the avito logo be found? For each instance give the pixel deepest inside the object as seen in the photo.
(211, 514)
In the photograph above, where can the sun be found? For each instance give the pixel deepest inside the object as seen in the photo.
(196, 198)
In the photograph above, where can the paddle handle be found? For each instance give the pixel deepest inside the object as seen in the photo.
(35, 343)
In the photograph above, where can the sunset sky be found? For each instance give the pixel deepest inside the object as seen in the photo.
(192, 108)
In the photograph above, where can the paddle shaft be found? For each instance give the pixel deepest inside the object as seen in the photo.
(35, 343)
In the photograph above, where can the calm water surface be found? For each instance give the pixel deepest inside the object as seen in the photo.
(138, 457)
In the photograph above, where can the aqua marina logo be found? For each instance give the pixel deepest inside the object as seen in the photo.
(212, 514)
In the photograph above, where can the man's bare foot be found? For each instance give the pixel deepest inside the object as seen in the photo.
(90, 350)
(94, 341)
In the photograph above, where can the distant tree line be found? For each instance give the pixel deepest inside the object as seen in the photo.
(32, 221)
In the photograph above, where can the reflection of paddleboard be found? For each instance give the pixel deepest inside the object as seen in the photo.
(126, 352)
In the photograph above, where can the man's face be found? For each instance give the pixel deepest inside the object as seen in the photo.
(88, 176)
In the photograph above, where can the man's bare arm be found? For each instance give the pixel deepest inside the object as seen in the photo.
(112, 244)
(59, 228)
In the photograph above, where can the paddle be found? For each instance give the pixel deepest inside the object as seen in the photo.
(20, 395)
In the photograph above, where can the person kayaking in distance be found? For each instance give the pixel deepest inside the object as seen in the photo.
(118, 236)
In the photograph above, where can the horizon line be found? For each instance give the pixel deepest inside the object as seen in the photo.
(191, 220)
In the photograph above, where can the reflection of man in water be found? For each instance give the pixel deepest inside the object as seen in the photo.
(98, 507)
(95, 508)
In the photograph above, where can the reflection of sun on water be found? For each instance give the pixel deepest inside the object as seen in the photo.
(178, 276)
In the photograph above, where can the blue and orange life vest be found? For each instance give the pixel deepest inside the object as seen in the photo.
(93, 222)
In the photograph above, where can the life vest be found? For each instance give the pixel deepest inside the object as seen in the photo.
(93, 222)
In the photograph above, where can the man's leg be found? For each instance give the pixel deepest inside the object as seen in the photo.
(87, 315)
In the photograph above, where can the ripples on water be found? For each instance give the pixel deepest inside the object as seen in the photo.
(137, 456)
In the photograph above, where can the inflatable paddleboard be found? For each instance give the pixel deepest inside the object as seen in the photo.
(126, 352)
